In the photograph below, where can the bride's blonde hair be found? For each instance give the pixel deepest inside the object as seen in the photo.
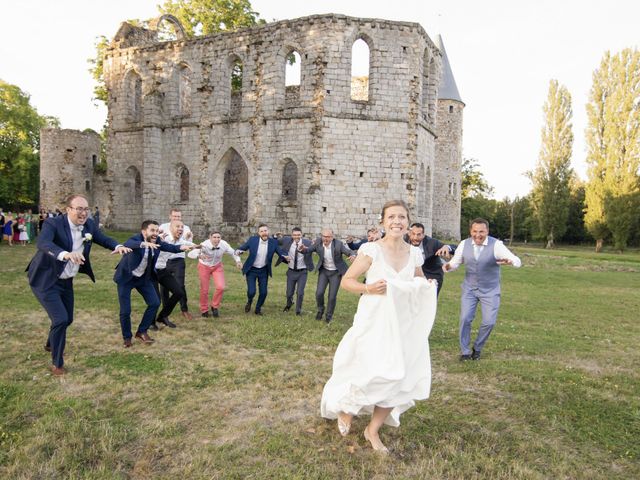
(395, 203)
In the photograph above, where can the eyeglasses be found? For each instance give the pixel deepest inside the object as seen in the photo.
(80, 209)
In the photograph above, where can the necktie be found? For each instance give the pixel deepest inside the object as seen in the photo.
(147, 253)
(295, 257)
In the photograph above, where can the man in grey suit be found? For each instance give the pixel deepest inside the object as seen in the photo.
(482, 255)
(299, 264)
(331, 267)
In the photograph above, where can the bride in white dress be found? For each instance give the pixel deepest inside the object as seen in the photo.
(382, 363)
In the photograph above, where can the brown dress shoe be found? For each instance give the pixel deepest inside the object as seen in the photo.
(187, 315)
(47, 348)
(57, 371)
(127, 342)
(144, 337)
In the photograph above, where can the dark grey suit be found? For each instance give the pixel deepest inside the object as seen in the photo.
(330, 277)
(297, 271)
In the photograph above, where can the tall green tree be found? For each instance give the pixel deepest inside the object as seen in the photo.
(473, 182)
(198, 17)
(552, 175)
(20, 126)
(613, 144)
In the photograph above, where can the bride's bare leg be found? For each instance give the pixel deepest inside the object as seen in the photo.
(344, 423)
(371, 432)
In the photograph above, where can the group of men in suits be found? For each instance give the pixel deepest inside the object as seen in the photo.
(296, 252)
(64, 248)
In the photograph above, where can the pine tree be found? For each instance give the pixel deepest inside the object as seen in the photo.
(552, 175)
(612, 193)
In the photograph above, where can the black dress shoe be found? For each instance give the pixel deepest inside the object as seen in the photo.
(299, 312)
(319, 316)
(328, 320)
(167, 322)
(205, 314)
(286, 308)
(475, 355)
(247, 307)
(215, 313)
(154, 326)
(258, 312)
(464, 358)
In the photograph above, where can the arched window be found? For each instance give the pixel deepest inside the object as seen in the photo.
(360, 61)
(235, 200)
(133, 95)
(184, 184)
(292, 69)
(184, 90)
(290, 181)
(236, 86)
(132, 186)
(292, 72)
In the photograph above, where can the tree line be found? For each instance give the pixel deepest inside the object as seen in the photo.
(560, 207)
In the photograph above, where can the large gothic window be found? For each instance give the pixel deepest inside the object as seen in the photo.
(133, 95)
(360, 63)
(235, 199)
(290, 181)
(132, 186)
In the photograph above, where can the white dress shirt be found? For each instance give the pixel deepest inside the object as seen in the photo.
(328, 263)
(71, 269)
(142, 266)
(211, 256)
(261, 255)
(293, 252)
(500, 252)
(164, 257)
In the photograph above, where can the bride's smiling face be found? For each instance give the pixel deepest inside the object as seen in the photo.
(395, 221)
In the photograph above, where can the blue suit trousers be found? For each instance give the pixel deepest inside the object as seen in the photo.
(145, 287)
(58, 303)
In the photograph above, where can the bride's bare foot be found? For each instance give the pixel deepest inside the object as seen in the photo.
(344, 423)
(375, 442)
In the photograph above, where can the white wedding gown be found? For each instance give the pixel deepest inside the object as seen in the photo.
(383, 359)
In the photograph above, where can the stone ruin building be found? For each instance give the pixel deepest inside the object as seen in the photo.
(210, 125)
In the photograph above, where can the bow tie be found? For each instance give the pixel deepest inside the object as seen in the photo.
(77, 228)
(216, 248)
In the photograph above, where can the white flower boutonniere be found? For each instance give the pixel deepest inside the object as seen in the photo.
(87, 237)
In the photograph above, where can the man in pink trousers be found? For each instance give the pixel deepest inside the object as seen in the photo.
(209, 256)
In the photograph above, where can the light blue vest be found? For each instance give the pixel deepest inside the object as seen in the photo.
(483, 275)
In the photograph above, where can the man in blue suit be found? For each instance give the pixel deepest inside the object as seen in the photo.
(137, 270)
(257, 267)
(300, 263)
(64, 245)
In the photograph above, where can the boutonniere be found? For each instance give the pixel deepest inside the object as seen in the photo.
(87, 237)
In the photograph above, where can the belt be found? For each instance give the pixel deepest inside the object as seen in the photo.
(298, 269)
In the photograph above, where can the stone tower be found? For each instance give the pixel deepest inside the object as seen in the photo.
(447, 173)
(68, 158)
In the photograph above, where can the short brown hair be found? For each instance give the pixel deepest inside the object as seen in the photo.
(479, 220)
(72, 197)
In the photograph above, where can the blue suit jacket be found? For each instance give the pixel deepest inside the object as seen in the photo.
(130, 261)
(45, 268)
(285, 243)
(251, 246)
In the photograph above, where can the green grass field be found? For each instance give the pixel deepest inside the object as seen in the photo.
(555, 396)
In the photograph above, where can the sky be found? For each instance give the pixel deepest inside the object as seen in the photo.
(503, 54)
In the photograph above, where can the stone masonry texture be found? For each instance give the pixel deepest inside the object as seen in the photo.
(260, 152)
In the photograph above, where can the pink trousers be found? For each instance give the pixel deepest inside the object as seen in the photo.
(205, 273)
